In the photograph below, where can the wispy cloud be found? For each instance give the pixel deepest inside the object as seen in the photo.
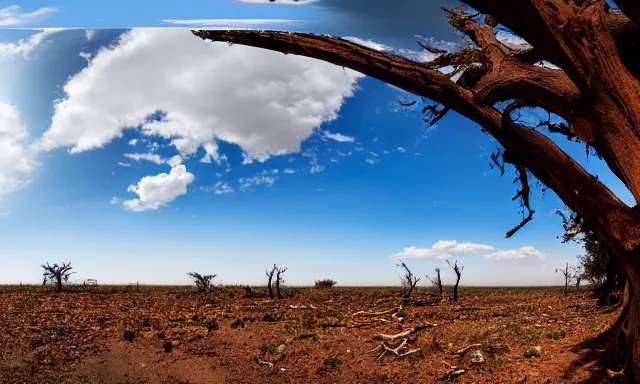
(13, 16)
(339, 137)
(443, 249)
(152, 157)
(248, 182)
(516, 254)
(229, 22)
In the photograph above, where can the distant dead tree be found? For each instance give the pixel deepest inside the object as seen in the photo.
(409, 280)
(568, 276)
(458, 271)
(58, 274)
(578, 274)
(279, 279)
(270, 274)
(203, 282)
(436, 281)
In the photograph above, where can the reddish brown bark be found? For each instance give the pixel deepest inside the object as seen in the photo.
(596, 91)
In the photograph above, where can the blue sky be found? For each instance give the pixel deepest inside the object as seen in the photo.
(140, 155)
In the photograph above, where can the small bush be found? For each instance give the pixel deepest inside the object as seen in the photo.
(332, 362)
(325, 283)
(309, 322)
(557, 335)
(237, 323)
(212, 325)
(129, 335)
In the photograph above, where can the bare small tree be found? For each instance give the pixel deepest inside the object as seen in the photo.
(436, 281)
(270, 274)
(568, 275)
(203, 282)
(409, 280)
(279, 279)
(458, 271)
(58, 274)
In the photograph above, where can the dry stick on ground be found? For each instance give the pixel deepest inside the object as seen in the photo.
(279, 279)
(58, 274)
(593, 89)
(203, 282)
(409, 280)
(465, 349)
(270, 276)
(458, 271)
(363, 313)
(395, 343)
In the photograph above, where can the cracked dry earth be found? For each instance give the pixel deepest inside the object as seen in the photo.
(176, 335)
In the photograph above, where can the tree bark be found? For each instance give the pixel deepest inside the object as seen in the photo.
(455, 288)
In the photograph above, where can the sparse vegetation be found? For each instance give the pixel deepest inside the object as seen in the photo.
(325, 283)
(203, 282)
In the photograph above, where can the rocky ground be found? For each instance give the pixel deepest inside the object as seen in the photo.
(337, 335)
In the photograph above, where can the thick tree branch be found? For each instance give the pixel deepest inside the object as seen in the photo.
(579, 190)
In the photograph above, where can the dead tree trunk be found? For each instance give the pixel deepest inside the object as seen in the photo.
(595, 92)
(279, 279)
(458, 271)
(439, 281)
(270, 277)
(567, 276)
(409, 280)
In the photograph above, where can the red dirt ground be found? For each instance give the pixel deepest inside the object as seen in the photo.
(78, 336)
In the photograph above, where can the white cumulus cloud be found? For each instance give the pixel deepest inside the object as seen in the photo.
(17, 159)
(443, 249)
(156, 191)
(206, 91)
(516, 254)
(23, 47)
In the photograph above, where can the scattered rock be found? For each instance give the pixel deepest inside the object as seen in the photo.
(280, 348)
(477, 357)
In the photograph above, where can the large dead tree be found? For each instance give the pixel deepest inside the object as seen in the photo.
(458, 271)
(408, 279)
(57, 274)
(592, 90)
